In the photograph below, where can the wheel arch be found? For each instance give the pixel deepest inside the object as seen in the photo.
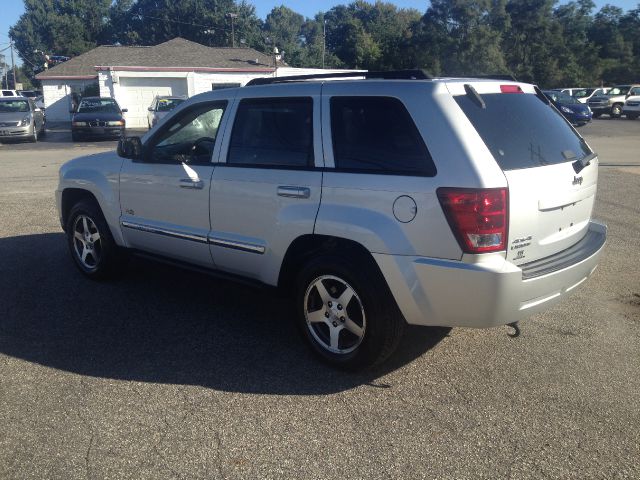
(305, 247)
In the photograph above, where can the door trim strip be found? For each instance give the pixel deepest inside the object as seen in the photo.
(164, 231)
(245, 247)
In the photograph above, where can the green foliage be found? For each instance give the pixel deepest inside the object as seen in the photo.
(539, 41)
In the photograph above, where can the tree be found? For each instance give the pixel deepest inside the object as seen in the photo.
(58, 27)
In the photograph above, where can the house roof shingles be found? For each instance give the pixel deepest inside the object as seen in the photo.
(178, 54)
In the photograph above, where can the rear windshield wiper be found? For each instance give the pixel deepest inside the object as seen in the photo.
(578, 165)
(475, 97)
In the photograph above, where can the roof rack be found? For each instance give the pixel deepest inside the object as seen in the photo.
(495, 77)
(388, 75)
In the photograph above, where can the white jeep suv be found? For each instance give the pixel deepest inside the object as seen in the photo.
(374, 202)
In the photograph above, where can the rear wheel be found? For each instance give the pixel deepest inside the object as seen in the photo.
(346, 312)
(90, 242)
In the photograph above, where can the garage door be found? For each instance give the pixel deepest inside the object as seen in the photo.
(136, 95)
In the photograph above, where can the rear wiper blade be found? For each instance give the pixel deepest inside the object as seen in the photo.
(475, 97)
(578, 165)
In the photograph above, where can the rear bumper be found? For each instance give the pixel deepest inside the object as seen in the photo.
(489, 293)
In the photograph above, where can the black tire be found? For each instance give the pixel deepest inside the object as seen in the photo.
(616, 111)
(34, 138)
(106, 257)
(384, 324)
(596, 115)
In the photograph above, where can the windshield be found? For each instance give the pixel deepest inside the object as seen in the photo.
(585, 92)
(166, 104)
(13, 106)
(521, 131)
(619, 90)
(98, 105)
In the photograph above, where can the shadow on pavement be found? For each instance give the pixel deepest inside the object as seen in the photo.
(165, 325)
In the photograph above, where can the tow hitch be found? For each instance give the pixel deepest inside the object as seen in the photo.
(516, 329)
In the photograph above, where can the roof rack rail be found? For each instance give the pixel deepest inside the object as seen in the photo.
(501, 76)
(388, 75)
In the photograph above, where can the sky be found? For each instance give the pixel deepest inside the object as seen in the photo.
(12, 9)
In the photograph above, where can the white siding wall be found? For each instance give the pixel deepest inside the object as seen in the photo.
(57, 97)
(135, 90)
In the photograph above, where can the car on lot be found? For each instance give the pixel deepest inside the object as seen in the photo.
(20, 119)
(631, 108)
(576, 113)
(371, 202)
(612, 102)
(584, 94)
(160, 106)
(97, 117)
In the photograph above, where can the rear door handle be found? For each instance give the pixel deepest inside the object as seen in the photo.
(192, 184)
(294, 192)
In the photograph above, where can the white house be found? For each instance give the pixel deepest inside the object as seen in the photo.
(135, 75)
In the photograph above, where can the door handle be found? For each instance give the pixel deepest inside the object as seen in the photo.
(294, 192)
(190, 183)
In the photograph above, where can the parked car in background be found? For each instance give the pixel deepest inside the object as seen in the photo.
(370, 203)
(575, 112)
(160, 107)
(20, 119)
(30, 93)
(631, 108)
(584, 94)
(568, 91)
(610, 103)
(9, 93)
(97, 117)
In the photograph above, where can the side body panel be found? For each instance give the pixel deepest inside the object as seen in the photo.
(98, 174)
(257, 212)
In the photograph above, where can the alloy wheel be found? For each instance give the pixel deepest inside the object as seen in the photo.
(334, 314)
(87, 242)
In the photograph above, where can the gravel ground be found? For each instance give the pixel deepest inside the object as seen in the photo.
(169, 374)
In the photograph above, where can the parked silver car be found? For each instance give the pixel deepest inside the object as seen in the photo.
(373, 203)
(160, 107)
(20, 119)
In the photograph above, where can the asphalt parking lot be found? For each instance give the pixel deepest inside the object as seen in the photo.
(169, 374)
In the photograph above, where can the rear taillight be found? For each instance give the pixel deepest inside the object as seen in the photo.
(478, 217)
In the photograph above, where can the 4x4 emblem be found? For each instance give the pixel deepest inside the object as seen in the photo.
(577, 181)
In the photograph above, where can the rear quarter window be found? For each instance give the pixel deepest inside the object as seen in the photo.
(522, 131)
(377, 135)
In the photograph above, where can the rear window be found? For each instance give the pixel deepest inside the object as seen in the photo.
(521, 131)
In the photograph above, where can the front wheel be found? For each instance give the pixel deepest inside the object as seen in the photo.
(90, 242)
(346, 312)
(616, 111)
(34, 137)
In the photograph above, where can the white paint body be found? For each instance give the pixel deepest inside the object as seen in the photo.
(237, 221)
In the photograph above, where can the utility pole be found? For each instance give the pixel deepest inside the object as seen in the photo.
(233, 34)
(13, 65)
(324, 40)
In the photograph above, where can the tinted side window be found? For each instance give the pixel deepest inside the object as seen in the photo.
(273, 132)
(377, 135)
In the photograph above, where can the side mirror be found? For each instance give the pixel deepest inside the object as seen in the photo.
(130, 147)
(124, 110)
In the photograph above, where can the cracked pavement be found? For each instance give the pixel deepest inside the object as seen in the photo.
(174, 375)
